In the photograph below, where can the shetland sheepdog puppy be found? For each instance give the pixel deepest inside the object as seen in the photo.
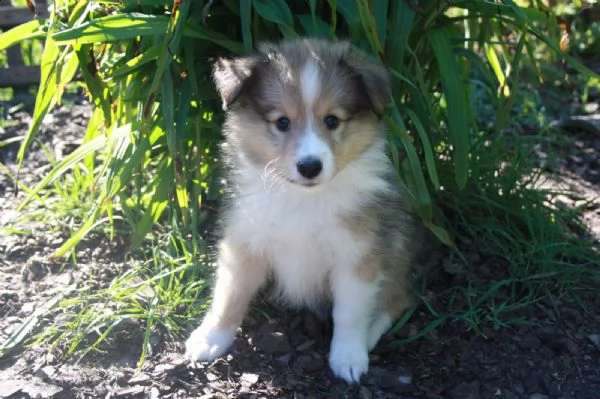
(314, 204)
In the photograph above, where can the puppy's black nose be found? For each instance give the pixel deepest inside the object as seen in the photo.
(309, 167)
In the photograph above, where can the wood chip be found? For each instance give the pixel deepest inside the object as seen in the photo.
(249, 378)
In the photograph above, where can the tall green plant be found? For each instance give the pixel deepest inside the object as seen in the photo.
(145, 64)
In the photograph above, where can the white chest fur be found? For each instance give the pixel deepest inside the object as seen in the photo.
(300, 232)
(302, 239)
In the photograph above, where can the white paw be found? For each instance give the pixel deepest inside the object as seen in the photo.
(348, 360)
(208, 343)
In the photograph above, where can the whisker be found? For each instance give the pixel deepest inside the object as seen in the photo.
(276, 180)
(267, 173)
(266, 169)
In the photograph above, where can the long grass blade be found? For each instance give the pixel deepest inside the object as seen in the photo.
(57, 69)
(246, 17)
(456, 102)
(28, 30)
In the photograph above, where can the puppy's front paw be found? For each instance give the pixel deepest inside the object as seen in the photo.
(208, 343)
(348, 360)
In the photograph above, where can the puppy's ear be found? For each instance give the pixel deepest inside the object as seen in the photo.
(234, 76)
(373, 80)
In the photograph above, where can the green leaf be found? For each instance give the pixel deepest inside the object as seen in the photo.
(369, 26)
(135, 63)
(313, 17)
(380, 13)
(427, 147)
(70, 161)
(441, 234)
(414, 171)
(199, 32)
(115, 28)
(170, 46)
(348, 9)
(168, 108)
(245, 16)
(314, 27)
(163, 183)
(28, 30)
(57, 69)
(401, 25)
(96, 86)
(276, 11)
(456, 102)
(428, 329)
(492, 57)
(334, 9)
(90, 222)
(93, 130)
(125, 161)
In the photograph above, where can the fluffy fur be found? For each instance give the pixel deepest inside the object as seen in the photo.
(339, 237)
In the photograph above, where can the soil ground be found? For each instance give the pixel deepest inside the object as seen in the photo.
(556, 354)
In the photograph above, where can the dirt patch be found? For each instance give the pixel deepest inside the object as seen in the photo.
(553, 353)
(579, 170)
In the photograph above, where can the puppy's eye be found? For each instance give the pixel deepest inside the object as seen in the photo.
(332, 122)
(283, 124)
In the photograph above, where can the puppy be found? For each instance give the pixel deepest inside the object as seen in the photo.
(314, 204)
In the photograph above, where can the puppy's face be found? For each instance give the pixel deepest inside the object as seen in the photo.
(302, 110)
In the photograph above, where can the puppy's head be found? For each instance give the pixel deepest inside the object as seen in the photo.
(302, 109)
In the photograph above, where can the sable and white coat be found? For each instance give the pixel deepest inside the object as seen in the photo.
(313, 202)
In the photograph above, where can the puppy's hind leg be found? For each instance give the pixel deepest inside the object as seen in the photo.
(239, 276)
(394, 300)
(379, 326)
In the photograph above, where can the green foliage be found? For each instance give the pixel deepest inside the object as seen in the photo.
(148, 157)
(145, 67)
(144, 64)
